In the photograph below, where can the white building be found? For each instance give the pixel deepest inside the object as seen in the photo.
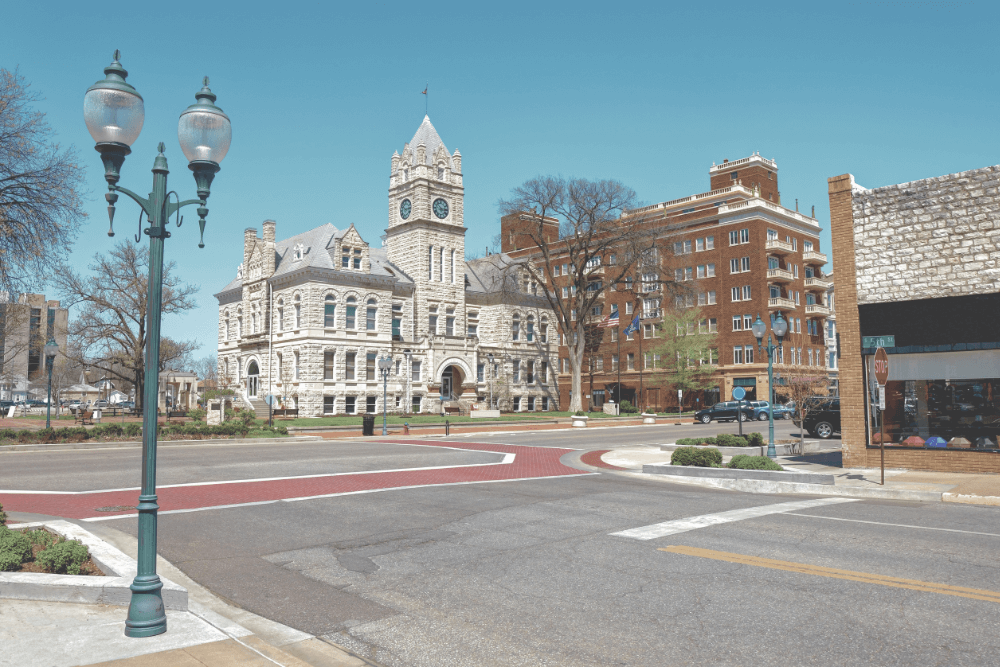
(832, 347)
(307, 318)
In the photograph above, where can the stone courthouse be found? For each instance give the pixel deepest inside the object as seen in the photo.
(919, 264)
(307, 318)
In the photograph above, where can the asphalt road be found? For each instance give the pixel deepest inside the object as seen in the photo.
(529, 572)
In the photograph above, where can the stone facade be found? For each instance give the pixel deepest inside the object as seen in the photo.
(307, 318)
(925, 239)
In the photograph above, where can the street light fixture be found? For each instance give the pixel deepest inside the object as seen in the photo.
(114, 113)
(384, 366)
(51, 350)
(780, 328)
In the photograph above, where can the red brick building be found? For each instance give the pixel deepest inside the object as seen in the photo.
(733, 252)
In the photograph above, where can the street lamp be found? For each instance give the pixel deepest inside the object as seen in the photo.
(51, 350)
(384, 366)
(780, 328)
(492, 378)
(114, 114)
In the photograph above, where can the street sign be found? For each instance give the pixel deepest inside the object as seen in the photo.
(881, 366)
(739, 393)
(878, 341)
(679, 394)
(271, 400)
(881, 397)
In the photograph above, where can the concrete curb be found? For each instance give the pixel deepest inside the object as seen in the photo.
(770, 487)
(59, 446)
(793, 476)
(111, 589)
(970, 499)
(781, 450)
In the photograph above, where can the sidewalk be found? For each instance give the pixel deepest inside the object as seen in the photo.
(978, 489)
(210, 633)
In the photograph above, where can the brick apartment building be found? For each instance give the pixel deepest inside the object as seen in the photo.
(736, 252)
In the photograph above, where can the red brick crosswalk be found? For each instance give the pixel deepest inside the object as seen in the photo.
(529, 463)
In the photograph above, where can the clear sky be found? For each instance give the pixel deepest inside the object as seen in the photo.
(321, 94)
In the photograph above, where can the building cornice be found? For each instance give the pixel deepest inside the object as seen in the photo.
(753, 160)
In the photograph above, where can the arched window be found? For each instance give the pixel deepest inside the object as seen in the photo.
(239, 325)
(372, 312)
(515, 330)
(530, 333)
(281, 314)
(441, 171)
(543, 330)
(225, 326)
(329, 311)
(352, 310)
(298, 311)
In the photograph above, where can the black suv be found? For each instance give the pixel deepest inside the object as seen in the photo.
(724, 412)
(822, 416)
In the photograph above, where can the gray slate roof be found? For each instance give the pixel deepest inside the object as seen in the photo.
(485, 273)
(428, 136)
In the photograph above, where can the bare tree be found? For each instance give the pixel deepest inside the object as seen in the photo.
(798, 382)
(207, 370)
(40, 204)
(110, 328)
(592, 223)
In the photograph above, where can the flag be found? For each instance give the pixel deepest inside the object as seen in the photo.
(610, 321)
(632, 328)
(425, 90)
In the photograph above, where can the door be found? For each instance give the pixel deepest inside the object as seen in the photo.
(253, 379)
(446, 385)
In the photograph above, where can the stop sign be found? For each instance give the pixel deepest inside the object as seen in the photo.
(881, 366)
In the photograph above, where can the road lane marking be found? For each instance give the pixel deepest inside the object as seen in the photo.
(833, 573)
(507, 460)
(328, 495)
(896, 525)
(693, 523)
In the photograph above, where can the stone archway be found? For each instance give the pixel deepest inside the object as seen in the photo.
(253, 379)
(452, 378)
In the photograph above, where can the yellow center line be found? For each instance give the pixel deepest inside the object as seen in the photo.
(833, 573)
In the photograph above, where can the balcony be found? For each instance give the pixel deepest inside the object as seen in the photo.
(816, 309)
(813, 257)
(779, 275)
(779, 247)
(818, 283)
(780, 302)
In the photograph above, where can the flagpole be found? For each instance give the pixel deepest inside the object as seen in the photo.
(619, 404)
(641, 363)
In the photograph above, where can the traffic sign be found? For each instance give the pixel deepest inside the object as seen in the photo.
(271, 400)
(878, 341)
(881, 397)
(739, 393)
(881, 366)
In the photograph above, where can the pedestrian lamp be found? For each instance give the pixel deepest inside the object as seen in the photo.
(384, 366)
(51, 350)
(780, 328)
(492, 376)
(114, 112)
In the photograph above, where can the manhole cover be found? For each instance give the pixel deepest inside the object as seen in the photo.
(115, 508)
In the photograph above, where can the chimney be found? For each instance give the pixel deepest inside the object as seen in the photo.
(796, 205)
(249, 238)
(268, 231)
(814, 212)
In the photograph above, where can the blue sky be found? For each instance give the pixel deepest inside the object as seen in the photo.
(321, 94)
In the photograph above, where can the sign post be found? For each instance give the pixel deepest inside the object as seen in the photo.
(881, 377)
(271, 399)
(738, 394)
(680, 393)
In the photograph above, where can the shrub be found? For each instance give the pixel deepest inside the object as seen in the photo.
(628, 409)
(197, 414)
(579, 413)
(40, 537)
(691, 442)
(744, 462)
(14, 549)
(63, 558)
(689, 456)
(8, 434)
(755, 439)
(730, 440)
(132, 430)
(3, 516)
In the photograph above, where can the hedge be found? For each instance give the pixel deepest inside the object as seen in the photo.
(744, 462)
(689, 456)
(240, 427)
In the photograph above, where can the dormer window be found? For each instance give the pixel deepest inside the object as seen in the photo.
(350, 257)
(406, 175)
(440, 173)
(297, 252)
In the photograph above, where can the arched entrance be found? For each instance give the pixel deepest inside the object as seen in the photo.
(451, 383)
(253, 379)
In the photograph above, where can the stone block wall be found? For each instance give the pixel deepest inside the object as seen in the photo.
(930, 238)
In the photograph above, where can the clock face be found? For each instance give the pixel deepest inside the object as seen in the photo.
(441, 208)
(404, 209)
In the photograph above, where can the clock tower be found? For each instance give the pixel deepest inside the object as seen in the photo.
(426, 233)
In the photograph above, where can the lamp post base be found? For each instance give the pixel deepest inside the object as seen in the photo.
(146, 615)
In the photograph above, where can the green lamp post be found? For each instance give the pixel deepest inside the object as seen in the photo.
(780, 328)
(114, 114)
(51, 350)
(384, 366)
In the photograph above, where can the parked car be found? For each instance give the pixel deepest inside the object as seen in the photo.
(822, 416)
(101, 405)
(126, 405)
(783, 411)
(74, 405)
(6, 405)
(724, 412)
